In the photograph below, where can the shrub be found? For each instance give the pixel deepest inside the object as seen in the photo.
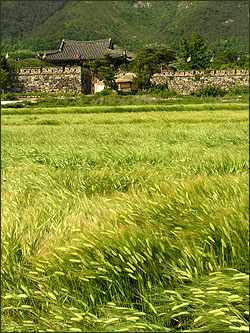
(104, 92)
(197, 77)
(8, 97)
(209, 91)
(236, 90)
(159, 87)
(159, 90)
(124, 93)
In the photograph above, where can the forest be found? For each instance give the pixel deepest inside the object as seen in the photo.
(40, 25)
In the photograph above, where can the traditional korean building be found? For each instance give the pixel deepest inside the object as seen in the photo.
(125, 82)
(73, 52)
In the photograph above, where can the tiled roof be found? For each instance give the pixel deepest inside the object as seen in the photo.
(94, 49)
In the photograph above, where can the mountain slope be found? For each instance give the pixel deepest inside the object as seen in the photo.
(40, 25)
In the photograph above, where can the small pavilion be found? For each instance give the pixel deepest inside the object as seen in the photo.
(125, 82)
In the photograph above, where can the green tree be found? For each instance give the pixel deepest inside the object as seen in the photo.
(107, 75)
(105, 69)
(164, 56)
(150, 61)
(243, 63)
(4, 72)
(193, 54)
(185, 52)
(142, 79)
(145, 60)
(227, 60)
(4, 62)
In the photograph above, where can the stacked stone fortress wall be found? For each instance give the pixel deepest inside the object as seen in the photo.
(185, 82)
(73, 80)
(47, 79)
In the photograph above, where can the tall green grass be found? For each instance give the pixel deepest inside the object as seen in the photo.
(114, 99)
(23, 110)
(134, 221)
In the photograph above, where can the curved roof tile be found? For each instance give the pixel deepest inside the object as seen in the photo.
(93, 49)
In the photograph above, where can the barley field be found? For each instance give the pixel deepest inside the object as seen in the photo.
(125, 218)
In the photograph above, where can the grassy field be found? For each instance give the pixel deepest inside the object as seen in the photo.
(129, 218)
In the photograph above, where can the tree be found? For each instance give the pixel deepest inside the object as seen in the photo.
(145, 60)
(150, 61)
(105, 69)
(142, 79)
(193, 54)
(107, 75)
(164, 56)
(185, 53)
(153, 60)
(227, 60)
(4, 72)
(4, 63)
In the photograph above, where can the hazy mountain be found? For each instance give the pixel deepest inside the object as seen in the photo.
(40, 25)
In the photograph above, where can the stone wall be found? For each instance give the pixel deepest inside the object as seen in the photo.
(74, 79)
(48, 79)
(185, 82)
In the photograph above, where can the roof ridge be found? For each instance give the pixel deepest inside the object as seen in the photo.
(70, 50)
(86, 41)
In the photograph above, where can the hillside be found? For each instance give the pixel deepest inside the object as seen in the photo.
(40, 25)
